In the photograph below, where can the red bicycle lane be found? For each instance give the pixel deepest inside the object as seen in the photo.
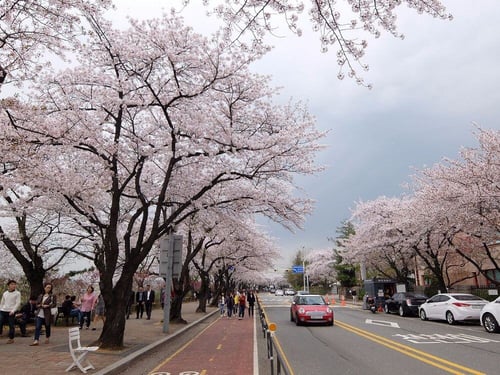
(226, 347)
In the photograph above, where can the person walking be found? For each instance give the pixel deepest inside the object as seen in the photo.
(242, 304)
(44, 303)
(100, 311)
(230, 305)
(222, 304)
(9, 304)
(149, 301)
(251, 303)
(87, 303)
(139, 302)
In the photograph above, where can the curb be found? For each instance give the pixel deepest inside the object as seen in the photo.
(116, 366)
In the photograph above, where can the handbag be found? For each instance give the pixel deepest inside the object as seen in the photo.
(53, 311)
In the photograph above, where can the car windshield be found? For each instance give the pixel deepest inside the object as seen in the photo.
(311, 300)
(467, 297)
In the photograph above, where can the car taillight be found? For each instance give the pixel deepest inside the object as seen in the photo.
(461, 304)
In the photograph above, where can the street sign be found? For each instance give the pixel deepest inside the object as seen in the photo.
(171, 244)
(297, 269)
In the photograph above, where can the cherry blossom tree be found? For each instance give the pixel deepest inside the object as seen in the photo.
(465, 193)
(343, 25)
(31, 29)
(135, 140)
(321, 266)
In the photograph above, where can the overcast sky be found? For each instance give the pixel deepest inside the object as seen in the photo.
(427, 91)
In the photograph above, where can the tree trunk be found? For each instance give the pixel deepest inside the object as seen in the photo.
(113, 330)
(203, 295)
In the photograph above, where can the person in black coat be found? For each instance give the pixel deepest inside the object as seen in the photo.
(26, 315)
(150, 300)
(140, 300)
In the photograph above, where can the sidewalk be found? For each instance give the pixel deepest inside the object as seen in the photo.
(47, 359)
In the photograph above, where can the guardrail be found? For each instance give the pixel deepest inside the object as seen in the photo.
(274, 354)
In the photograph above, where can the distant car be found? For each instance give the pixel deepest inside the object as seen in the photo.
(279, 292)
(404, 303)
(289, 292)
(490, 316)
(452, 307)
(310, 308)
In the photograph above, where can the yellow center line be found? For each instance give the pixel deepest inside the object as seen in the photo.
(451, 367)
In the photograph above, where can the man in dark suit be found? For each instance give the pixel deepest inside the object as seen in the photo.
(140, 299)
(150, 299)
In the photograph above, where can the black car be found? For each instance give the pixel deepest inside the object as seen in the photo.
(405, 303)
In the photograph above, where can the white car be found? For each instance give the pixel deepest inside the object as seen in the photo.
(490, 316)
(452, 307)
(279, 292)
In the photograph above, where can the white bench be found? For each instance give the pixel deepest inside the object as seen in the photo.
(78, 352)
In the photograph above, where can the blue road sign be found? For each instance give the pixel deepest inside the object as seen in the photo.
(298, 269)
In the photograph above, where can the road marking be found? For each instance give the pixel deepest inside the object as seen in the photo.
(383, 323)
(448, 366)
(444, 339)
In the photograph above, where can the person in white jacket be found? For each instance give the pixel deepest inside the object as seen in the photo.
(9, 304)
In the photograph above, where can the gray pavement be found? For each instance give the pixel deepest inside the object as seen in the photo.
(141, 335)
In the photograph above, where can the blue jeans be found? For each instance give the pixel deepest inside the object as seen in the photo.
(5, 316)
(241, 313)
(38, 327)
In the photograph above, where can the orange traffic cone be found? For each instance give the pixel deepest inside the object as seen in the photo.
(342, 301)
(332, 302)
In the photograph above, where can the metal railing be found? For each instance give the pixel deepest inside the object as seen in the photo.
(274, 354)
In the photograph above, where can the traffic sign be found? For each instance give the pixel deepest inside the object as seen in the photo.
(298, 269)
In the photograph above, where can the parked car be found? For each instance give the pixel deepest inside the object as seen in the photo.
(310, 308)
(490, 316)
(404, 303)
(279, 292)
(289, 292)
(452, 307)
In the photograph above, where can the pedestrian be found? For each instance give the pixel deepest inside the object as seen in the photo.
(149, 301)
(222, 305)
(236, 305)
(44, 303)
(100, 311)
(130, 302)
(87, 303)
(242, 305)
(26, 315)
(230, 305)
(251, 303)
(139, 302)
(9, 304)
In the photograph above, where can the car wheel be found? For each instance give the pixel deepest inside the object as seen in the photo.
(450, 318)
(297, 321)
(331, 323)
(422, 314)
(386, 309)
(490, 324)
(401, 310)
(291, 316)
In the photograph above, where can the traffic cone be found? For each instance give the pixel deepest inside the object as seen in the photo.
(332, 302)
(342, 301)
(327, 300)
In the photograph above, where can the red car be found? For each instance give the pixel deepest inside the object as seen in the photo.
(310, 308)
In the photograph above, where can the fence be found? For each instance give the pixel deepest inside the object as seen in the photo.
(274, 354)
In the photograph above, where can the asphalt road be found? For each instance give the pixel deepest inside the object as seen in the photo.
(364, 343)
